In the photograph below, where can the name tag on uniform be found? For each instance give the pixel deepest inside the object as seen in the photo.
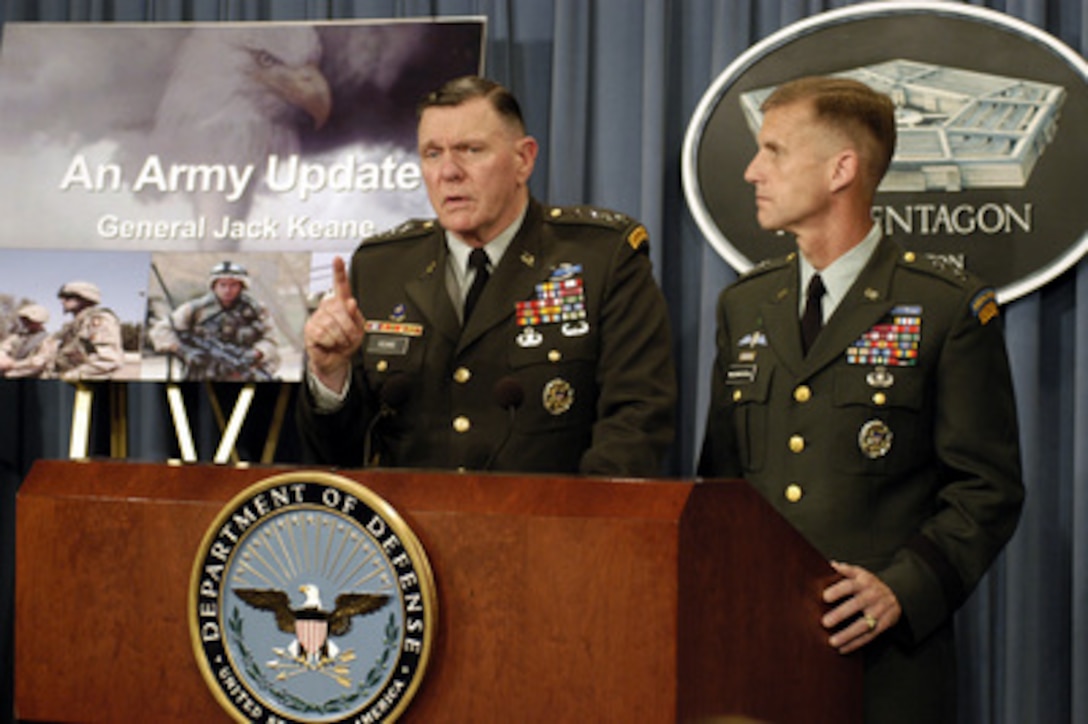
(386, 344)
(741, 374)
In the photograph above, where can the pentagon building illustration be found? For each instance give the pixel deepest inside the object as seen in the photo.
(958, 129)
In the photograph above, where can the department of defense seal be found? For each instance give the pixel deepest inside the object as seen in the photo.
(311, 600)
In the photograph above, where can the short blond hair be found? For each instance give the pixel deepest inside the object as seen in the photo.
(861, 113)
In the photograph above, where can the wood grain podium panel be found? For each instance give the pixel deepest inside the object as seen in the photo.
(559, 599)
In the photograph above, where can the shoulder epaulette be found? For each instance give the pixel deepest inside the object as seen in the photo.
(636, 233)
(983, 303)
(408, 230)
(767, 265)
(939, 265)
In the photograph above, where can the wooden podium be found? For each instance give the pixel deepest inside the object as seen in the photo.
(559, 599)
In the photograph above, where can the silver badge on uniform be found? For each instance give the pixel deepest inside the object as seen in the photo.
(571, 329)
(880, 377)
(875, 439)
(558, 396)
(529, 337)
(753, 340)
(566, 270)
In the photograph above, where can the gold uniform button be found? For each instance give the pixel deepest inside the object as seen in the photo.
(462, 375)
(880, 398)
(462, 424)
(797, 443)
(382, 365)
(737, 395)
(794, 492)
(802, 393)
(556, 213)
(909, 257)
(555, 355)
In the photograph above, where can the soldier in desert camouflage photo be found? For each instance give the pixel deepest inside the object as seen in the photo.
(225, 334)
(88, 346)
(29, 349)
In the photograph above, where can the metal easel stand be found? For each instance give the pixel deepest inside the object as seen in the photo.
(79, 439)
(229, 429)
(82, 409)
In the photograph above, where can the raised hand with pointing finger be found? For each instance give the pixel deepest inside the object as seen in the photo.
(334, 332)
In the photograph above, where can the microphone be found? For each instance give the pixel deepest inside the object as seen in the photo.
(508, 394)
(394, 392)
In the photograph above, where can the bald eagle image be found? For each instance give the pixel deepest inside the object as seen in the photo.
(310, 623)
(236, 98)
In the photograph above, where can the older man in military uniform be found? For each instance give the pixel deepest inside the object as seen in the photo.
(89, 346)
(507, 335)
(872, 405)
(29, 350)
(225, 334)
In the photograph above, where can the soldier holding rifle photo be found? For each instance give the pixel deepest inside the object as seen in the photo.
(225, 334)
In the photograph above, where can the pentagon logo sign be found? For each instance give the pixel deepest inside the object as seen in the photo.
(311, 601)
(990, 166)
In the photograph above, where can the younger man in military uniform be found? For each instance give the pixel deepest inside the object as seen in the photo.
(872, 406)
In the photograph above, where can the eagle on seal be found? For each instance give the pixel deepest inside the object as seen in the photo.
(311, 623)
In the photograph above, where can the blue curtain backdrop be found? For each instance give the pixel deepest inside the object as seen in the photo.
(608, 87)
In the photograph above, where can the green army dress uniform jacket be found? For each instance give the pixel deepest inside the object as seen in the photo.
(597, 379)
(892, 445)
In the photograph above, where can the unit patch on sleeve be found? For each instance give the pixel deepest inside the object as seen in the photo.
(984, 306)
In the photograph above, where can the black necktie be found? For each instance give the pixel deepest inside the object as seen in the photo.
(812, 321)
(477, 260)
